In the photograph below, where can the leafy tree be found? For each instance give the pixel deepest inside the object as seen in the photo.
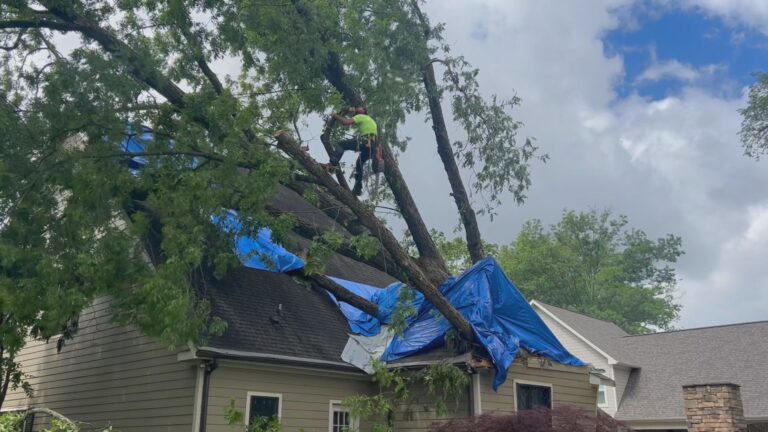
(76, 223)
(754, 126)
(589, 262)
(594, 263)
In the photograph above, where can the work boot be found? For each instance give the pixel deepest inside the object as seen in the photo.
(358, 189)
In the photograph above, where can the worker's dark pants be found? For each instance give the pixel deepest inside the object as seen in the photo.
(358, 144)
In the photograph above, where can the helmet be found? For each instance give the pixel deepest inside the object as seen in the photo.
(360, 110)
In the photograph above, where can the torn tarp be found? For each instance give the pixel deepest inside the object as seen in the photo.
(260, 252)
(385, 298)
(500, 316)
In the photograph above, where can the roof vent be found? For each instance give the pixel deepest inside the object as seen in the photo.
(277, 318)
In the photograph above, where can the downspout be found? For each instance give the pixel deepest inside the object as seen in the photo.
(208, 367)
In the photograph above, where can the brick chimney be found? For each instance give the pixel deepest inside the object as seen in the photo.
(714, 407)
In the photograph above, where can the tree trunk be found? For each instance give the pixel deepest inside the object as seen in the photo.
(444, 149)
(434, 265)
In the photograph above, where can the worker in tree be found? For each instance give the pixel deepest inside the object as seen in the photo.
(365, 142)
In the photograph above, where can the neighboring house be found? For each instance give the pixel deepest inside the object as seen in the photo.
(650, 371)
(280, 356)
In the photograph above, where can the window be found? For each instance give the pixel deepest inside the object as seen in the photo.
(601, 395)
(263, 407)
(532, 395)
(340, 419)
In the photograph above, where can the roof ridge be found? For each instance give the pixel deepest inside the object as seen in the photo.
(579, 313)
(699, 328)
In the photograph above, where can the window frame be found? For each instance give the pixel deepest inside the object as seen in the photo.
(604, 389)
(538, 384)
(250, 394)
(354, 424)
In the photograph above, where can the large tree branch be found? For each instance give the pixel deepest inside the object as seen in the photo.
(444, 149)
(429, 254)
(197, 51)
(416, 276)
(36, 23)
(145, 72)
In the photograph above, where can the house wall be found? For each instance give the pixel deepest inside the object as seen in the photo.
(420, 413)
(108, 374)
(621, 376)
(306, 393)
(570, 386)
(587, 354)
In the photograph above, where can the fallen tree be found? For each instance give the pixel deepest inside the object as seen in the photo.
(151, 62)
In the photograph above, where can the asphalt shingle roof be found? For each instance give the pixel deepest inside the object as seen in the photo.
(310, 325)
(732, 353)
(664, 362)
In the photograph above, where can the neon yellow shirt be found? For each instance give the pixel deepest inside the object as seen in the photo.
(365, 125)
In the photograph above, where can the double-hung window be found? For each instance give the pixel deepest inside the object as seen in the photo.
(532, 395)
(263, 408)
(340, 418)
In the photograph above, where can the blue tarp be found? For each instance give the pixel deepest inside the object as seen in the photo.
(136, 143)
(385, 298)
(500, 316)
(259, 253)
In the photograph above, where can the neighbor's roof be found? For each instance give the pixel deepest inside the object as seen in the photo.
(735, 353)
(310, 326)
(605, 335)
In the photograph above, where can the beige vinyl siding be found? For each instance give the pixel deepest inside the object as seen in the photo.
(420, 414)
(570, 386)
(109, 374)
(587, 354)
(306, 393)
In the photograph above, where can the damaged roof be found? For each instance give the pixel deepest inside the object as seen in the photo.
(273, 315)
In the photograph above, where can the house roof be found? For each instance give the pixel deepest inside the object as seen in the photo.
(731, 353)
(603, 334)
(309, 325)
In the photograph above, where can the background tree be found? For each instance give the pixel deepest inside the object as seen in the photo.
(70, 205)
(592, 263)
(754, 126)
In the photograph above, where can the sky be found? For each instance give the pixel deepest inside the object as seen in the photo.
(636, 104)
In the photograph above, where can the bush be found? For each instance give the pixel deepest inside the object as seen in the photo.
(561, 419)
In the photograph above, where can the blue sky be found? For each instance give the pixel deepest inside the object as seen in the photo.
(725, 54)
(638, 108)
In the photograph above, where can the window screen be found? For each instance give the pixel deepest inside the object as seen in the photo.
(263, 406)
(532, 396)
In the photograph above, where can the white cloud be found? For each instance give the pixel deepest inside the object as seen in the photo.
(669, 69)
(672, 165)
(674, 69)
(753, 13)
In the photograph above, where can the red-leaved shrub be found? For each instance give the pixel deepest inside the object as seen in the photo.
(560, 419)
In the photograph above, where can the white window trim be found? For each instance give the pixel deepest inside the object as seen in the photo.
(279, 397)
(605, 394)
(354, 423)
(536, 383)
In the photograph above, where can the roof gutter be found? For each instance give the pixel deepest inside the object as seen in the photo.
(213, 352)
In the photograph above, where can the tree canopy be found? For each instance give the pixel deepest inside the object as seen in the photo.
(76, 223)
(593, 263)
(754, 126)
